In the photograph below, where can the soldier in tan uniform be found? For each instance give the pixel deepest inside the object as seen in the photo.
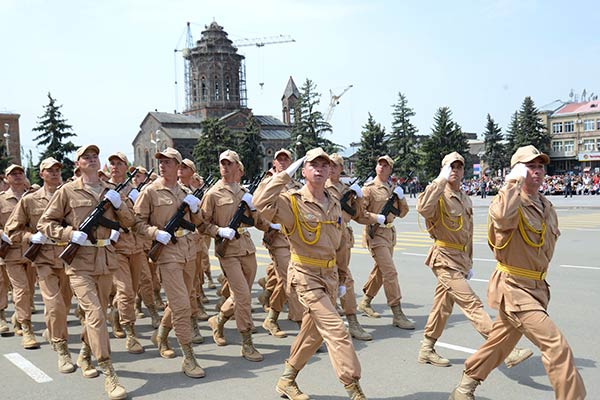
(19, 270)
(279, 250)
(90, 273)
(54, 283)
(523, 234)
(239, 261)
(312, 217)
(155, 206)
(381, 245)
(448, 213)
(348, 296)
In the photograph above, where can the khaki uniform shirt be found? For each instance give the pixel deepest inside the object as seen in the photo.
(218, 207)
(517, 293)
(375, 195)
(128, 242)
(8, 202)
(153, 208)
(67, 209)
(444, 225)
(272, 238)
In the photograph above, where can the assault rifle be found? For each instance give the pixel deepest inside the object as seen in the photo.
(94, 218)
(237, 219)
(177, 220)
(146, 179)
(346, 196)
(4, 246)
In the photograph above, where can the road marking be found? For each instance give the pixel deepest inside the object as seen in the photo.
(455, 347)
(578, 266)
(26, 366)
(479, 280)
(414, 254)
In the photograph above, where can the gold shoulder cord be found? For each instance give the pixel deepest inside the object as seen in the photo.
(300, 222)
(441, 218)
(522, 225)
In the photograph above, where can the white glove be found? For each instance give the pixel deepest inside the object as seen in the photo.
(5, 238)
(247, 198)
(291, 170)
(133, 195)
(381, 219)
(226, 233)
(193, 202)
(79, 237)
(163, 237)
(114, 235)
(470, 274)
(341, 290)
(38, 238)
(518, 170)
(399, 192)
(277, 227)
(114, 197)
(356, 189)
(445, 172)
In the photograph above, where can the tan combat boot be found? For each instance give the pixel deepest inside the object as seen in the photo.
(29, 341)
(356, 330)
(427, 354)
(196, 335)
(84, 361)
(158, 302)
(132, 344)
(138, 308)
(117, 329)
(160, 338)
(465, 389)
(190, 366)
(517, 356)
(262, 282)
(355, 391)
(400, 319)
(3, 324)
(201, 315)
(80, 314)
(217, 324)
(16, 325)
(365, 306)
(113, 388)
(249, 352)
(220, 303)
(271, 325)
(264, 298)
(287, 386)
(210, 283)
(154, 317)
(65, 363)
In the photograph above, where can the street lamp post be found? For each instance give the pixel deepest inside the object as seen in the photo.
(156, 142)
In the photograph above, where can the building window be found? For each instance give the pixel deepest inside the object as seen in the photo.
(598, 124)
(569, 146)
(204, 91)
(227, 88)
(589, 145)
(557, 127)
(588, 125)
(569, 126)
(217, 89)
(557, 146)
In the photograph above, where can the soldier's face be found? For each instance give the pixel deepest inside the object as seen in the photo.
(316, 171)
(184, 172)
(230, 171)
(335, 171)
(383, 169)
(535, 174)
(281, 162)
(16, 177)
(51, 175)
(89, 162)
(168, 167)
(118, 168)
(457, 172)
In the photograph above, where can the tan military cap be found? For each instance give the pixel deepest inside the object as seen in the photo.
(169, 152)
(231, 156)
(141, 169)
(450, 158)
(189, 163)
(49, 162)
(387, 159)
(337, 159)
(120, 156)
(101, 173)
(85, 148)
(316, 153)
(12, 167)
(526, 154)
(283, 151)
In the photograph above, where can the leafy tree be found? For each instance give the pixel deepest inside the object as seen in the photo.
(215, 139)
(249, 148)
(402, 141)
(54, 134)
(512, 134)
(446, 137)
(495, 152)
(372, 146)
(309, 125)
(531, 129)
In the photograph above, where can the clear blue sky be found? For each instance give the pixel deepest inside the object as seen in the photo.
(110, 62)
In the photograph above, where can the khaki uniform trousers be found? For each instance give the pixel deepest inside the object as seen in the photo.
(383, 274)
(3, 287)
(205, 259)
(452, 287)
(348, 302)
(145, 286)
(195, 290)
(126, 279)
(23, 287)
(240, 272)
(537, 326)
(92, 292)
(321, 322)
(281, 262)
(177, 280)
(271, 277)
(56, 294)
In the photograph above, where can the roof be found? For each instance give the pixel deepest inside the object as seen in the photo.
(290, 90)
(170, 118)
(267, 120)
(274, 134)
(182, 133)
(552, 107)
(579, 108)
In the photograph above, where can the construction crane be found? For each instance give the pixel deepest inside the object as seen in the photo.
(334, 101)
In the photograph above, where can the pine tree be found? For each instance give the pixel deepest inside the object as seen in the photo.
(446, 137)
(54, 132)
(372, 146)
(249, 148)
(402, 142)
(215, 139)
(495, 152)
(512, 134)
(531, 129)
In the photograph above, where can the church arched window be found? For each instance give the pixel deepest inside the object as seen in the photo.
(204, 89)
(217, 88)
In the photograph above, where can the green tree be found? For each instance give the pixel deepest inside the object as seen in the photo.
(249, 149)
(402, 141)
(215, 139)
(309, 125)
(54, 134)
(372, 146)
(531, 129)
(446, 137)
(512, 134)
(495, 152)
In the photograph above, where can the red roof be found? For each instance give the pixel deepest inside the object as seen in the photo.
(579, 108)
